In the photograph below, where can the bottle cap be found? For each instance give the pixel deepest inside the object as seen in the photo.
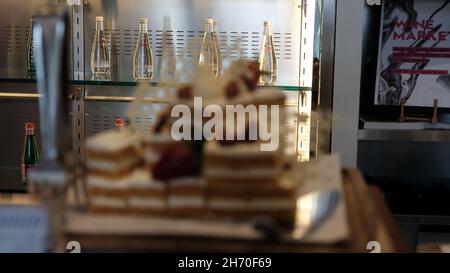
(143, 21)
(267, 23)
(119, 122)
(209, 21)
(99, 19)
(29, 126)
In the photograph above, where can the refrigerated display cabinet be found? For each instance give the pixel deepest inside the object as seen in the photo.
(95, 104)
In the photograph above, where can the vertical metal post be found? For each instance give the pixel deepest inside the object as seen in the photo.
(347, 80)
(78, 121)
(78, 74)
(328, 32)
(78, 42)
(306, 71)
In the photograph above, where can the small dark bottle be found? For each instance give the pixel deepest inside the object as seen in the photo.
(119, 124)
(30, 155)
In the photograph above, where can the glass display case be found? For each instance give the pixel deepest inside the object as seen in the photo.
(176, 25)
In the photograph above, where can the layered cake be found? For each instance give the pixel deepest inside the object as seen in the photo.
(186, 197)
(277, 201)
(247, 202)
(109, 195)
(241, 164)
(227, 202)
(245, 183)
(111, 159)
(146, 196)
(112, 154)
(159, 139)
(223, 179)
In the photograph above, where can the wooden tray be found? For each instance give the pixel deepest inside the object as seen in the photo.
(367, 216)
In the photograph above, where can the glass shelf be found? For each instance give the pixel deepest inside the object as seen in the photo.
(22, 76)
(16, 76)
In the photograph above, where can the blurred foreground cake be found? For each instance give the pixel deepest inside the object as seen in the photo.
(111, 159)
(186, 197)
(241, 164)
(235, 179)
(247, 202)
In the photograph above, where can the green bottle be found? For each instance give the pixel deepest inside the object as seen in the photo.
(30, 155)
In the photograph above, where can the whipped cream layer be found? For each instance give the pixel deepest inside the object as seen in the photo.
(139, 178)
(111, 141)
(111, 166)
(221, 172)
(147, 202)
(185, 201)
(110, 202)
(228, 204)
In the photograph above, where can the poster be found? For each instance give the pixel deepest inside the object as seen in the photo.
(414, 53)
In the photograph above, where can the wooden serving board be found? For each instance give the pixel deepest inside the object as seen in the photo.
(319, 175)
(365, 212)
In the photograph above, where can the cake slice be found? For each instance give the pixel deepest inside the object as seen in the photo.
(147, 196)
(112, 194)
(186, 197)
(278, 202)
(241, 164)
(227, 201)
(112, 154)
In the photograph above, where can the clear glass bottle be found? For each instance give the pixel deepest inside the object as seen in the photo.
(209, 52)
(100, 64)
(267, 58)
(167, 62)
(143, 55)
(31, 58)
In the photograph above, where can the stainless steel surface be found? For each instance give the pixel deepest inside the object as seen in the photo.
(409, 161)
(102, 108)
(122, 99)
(78, 122)
(96, 107)
(77, 43)
(18, 107)
(312, 211)
(187, 25)
(326, 76)
(404, 135)
(303, 121)
(50, 42)
(15, 18)
(239, 23)
(12, 131)
(101, 116)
